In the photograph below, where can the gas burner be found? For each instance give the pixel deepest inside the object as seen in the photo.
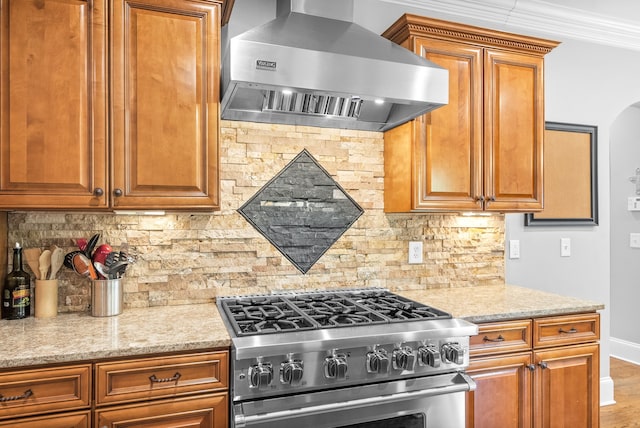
(397, 308)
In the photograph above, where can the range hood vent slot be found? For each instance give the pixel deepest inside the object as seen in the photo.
(311, 104)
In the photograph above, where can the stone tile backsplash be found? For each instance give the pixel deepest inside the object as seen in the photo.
(191, 258)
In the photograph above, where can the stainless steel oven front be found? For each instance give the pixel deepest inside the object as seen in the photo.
(428, 402)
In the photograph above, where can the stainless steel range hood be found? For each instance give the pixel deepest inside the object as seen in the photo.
(313, 66)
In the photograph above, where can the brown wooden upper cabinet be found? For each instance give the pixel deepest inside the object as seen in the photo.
(109, 104)
(483, 150)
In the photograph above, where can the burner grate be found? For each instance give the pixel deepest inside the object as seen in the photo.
(253, 315)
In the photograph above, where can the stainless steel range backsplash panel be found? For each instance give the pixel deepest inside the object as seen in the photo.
(302, 211)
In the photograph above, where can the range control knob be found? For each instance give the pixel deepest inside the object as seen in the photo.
(291, 372)
(377, 361)
(403, 358)
(453, 352)
(429, 355)
(260, 375)
(335, 366)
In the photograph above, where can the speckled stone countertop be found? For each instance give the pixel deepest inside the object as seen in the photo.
(79, 336)
(500, 302)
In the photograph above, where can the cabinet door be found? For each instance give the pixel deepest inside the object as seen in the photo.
(201, 412)
(448, 141)
(165, 104)
(53, 133)
(567, 390)
(513, 131)
(502, 398)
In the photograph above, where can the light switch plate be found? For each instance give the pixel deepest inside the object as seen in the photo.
(514, 248)
(565, 247)
(634, 240)
(633, 203)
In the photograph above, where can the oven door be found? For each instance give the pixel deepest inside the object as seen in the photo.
(427, 402)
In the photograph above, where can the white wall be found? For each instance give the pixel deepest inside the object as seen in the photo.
(625, 261)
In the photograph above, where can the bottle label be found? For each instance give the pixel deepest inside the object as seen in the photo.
(21, 298)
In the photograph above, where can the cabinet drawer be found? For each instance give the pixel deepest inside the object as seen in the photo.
(499, 337)
(70, 420)
(566, 330)
(209, 411)
(157, 377)
(29, 392)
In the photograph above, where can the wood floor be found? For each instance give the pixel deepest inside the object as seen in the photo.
(626, 412)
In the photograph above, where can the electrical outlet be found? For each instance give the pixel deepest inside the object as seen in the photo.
(514, 248)
(415, 252)
(565, 247)
(634, 240)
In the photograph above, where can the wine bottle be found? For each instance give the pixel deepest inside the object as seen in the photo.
(16, 293)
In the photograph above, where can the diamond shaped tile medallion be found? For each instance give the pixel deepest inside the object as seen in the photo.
(302, 211)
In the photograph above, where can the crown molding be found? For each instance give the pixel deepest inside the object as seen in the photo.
(540, 16)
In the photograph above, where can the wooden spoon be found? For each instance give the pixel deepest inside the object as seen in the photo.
(32, 255)
(44, 263)
(57, 258)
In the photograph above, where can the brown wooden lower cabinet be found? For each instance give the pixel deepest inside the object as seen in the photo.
(185, 390)
(503, 392)
(67, 420)
(210, 411)
(555, 383)
(567, 387)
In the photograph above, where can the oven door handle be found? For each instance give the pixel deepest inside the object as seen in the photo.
(242, 420)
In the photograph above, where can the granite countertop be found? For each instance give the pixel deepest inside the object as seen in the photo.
(500, 302)
(81, 337)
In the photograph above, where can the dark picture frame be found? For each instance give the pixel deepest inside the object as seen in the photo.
(570, 176)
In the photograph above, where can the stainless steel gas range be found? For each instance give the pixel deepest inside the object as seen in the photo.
(364, 358)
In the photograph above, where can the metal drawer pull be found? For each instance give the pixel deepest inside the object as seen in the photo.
(543, 365)
(28, 393)
(498, 339)
(174, 378)
(572, 330)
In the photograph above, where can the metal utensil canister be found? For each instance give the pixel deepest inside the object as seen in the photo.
(106, 297)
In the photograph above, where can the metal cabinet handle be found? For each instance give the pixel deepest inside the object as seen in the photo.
(572, 330)
(28, 393)
(118, 192)
(480, 198)
(543, 365)
(98, 191)
(174, 378)
(531, 367)
(497, 339)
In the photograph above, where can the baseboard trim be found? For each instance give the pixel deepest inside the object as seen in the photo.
(625, 350)
(606, 391)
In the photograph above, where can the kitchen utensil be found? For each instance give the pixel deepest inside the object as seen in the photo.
(81, 243)
(32, 255)
(68, 259)
(101, 269)
(44, 263)
(112, 257)
(57, 259)
(82, 265)
(117, 269)
(100, 254)
(93, 241)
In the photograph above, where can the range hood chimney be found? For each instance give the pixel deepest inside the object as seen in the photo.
(313, 66)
